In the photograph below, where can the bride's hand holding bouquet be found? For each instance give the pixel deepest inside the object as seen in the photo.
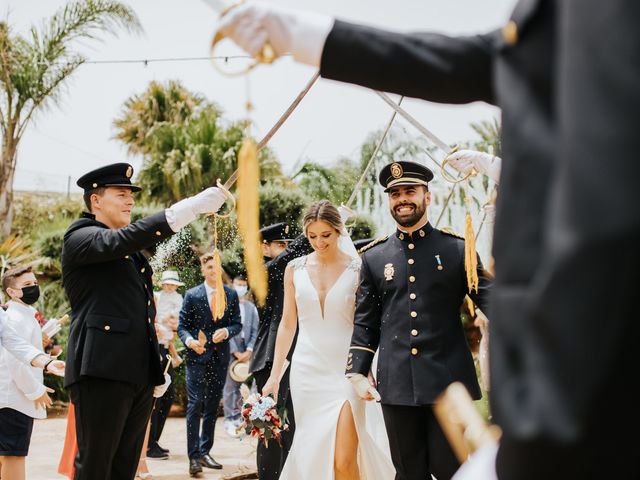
(271, 388)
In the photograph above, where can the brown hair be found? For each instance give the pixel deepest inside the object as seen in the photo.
(324, 211)
(12, 274)
(206, 258)
(86, 196)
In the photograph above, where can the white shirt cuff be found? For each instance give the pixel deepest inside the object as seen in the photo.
(309, 36)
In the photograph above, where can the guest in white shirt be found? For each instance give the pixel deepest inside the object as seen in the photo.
(168, 305)
(23, 395)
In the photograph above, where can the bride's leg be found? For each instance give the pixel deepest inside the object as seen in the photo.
(346, 454)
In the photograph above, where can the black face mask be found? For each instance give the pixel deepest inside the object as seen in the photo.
(30, 295)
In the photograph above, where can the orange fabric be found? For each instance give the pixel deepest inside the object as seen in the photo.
(214, 305)
(70, 449)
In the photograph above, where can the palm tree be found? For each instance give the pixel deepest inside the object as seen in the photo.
(184, 140)
(34, 69)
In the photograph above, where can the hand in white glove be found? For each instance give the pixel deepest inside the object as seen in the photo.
(253, 24)
(159, 390)
(345, 213)
(482, 464)
(186, 211)
(466, 160)
(364, 387)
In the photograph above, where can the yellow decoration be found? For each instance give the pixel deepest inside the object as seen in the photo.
(248, 207)
(470, 258)
(220, 297)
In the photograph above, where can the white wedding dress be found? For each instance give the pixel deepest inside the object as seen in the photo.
(319, 388)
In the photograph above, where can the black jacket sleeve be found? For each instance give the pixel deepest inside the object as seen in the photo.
(430, 66)
(366, 324)
(94, 244)
(297, 248)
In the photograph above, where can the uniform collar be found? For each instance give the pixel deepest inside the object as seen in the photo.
(416, 235)
(88, 215)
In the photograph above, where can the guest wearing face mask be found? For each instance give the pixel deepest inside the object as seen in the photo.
(241, 349)
(23, 395)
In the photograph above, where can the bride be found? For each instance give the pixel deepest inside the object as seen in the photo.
(331, 439)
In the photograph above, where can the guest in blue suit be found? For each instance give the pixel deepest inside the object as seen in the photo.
(241, 348)
(206, 364)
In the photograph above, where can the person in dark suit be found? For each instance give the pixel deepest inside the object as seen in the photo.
(279, 249)
(207, 360)
(565, 75)
(113, 362)
(412, 285)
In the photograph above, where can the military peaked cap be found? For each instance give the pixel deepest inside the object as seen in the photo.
(278, 232)
(404, 173)
(114, 175)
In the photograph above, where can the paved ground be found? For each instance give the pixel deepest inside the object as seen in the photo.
(237, 456)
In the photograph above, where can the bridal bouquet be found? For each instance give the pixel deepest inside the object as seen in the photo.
(262, 420)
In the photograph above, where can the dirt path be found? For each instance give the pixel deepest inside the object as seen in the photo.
(236, 455)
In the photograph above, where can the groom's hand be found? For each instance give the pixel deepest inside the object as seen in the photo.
(364, 387)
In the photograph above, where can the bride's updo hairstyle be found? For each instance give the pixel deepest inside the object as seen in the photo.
(324, 211)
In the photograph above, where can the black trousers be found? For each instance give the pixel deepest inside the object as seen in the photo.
(270, 459)
(111, 420)
(418, 446)
(162, 408)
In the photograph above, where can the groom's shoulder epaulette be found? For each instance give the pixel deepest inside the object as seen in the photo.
(377, 241)
(449, 231)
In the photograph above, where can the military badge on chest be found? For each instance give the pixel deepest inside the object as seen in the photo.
(389, 272)
(439, 262)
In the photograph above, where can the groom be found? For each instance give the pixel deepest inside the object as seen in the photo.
(412, 285)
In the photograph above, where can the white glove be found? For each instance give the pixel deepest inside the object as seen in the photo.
(186, 211)
(253, 24)
(51, 327)
(363, 388)
(466, 160)
(159, 390)
(482, 464)
(345, 213)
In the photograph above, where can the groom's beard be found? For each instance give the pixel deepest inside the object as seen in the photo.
(411, 218)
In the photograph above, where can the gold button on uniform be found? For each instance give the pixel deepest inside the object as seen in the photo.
(107, 328)
(142, 270)
(412, 279)
(414, 351)
(422, 234)
(158, 233)
(411, 246)
(412, 296)
(126, 257)
(414, 332)
(411, 261)
(510, 33)
(149, 319)
(148, 302)
(414, 314)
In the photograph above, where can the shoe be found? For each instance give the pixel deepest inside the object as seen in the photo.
(165, 450)
(208, 461)
(157, 453)
(194, 467)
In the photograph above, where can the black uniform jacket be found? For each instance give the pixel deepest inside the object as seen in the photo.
(109, 285)
(408, 308)
(195, 316)
(271, 314)
(562, 322)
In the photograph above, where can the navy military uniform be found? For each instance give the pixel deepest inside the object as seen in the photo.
(408, 309)
(271, 458)
(112, 360)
